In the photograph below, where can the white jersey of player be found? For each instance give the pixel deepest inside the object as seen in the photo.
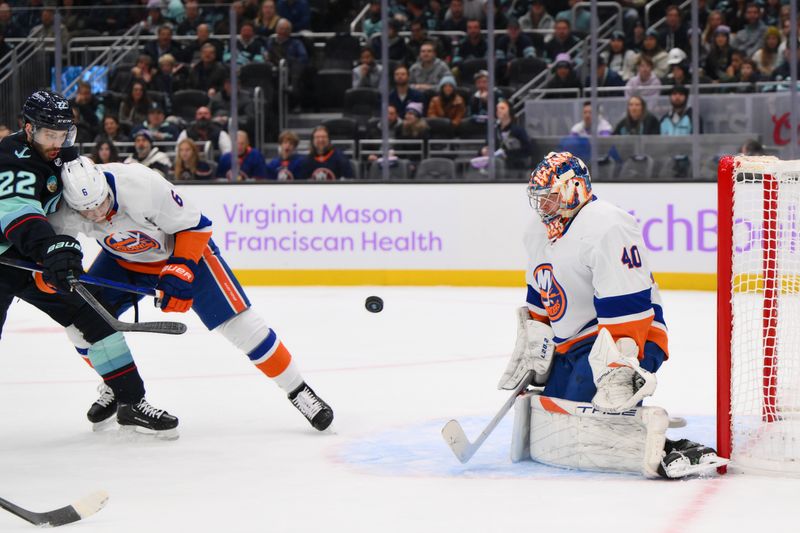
(595, 274)
(146, 214)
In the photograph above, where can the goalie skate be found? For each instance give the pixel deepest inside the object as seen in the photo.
(144, 418)
(101, 412)
(314, 408)
(684, 458)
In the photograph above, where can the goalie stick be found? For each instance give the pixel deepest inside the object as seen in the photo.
(168, 328)
(77, 510)
(457, 440)
(85, 278)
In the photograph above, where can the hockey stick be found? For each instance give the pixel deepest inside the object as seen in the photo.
(85, 278)
(457, 440)
(86, 506)
(168, 328)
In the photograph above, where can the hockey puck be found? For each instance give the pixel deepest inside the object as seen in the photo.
(374, 304)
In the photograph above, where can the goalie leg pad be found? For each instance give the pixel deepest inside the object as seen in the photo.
(521, 430)
(576, 435)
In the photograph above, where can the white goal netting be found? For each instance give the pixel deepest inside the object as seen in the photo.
(765, 312)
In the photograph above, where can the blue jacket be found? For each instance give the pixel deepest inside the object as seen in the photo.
(253, 166)
(327, 167)
(285, 169)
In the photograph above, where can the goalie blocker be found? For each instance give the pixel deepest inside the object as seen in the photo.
(568, 434)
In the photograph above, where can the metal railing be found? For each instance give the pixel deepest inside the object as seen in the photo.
(27, 70)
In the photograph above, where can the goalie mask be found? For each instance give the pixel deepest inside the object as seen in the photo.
(85, 187)
(559, 186)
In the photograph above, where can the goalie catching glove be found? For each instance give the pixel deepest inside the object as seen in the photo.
(533, 351)
(621, 382)
(175, 282)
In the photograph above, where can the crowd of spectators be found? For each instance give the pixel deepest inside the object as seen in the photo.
(741, 44)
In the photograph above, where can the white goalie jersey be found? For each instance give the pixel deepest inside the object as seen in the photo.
(595, 274)
(146, 214)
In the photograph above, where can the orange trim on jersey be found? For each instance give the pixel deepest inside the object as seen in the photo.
(142, 268)
(552, 407)
(277, 362)
(324, 157)
(659, 336)
(191, 244)
(637, 330)
(566, 345)
(87, 360)
(42, 285)
(224, 281)
(539, 318)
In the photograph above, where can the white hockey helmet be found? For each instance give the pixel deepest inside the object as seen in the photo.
(85, 185)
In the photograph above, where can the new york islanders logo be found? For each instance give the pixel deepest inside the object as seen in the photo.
(552, 294)
(131, 242)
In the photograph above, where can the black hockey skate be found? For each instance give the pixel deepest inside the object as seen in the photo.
(683, 458)
(99, 414)
(312, 406)
(145, 418)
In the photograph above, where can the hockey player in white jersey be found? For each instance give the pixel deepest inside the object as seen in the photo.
(593, 329)
(153, 237)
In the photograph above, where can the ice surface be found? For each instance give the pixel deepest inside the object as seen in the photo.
(248, 462)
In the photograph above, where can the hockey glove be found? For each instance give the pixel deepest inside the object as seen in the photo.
(61, 261)
(621, 382)
(175, 282)
(533, 351)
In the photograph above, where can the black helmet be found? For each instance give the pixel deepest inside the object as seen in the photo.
(46, 109)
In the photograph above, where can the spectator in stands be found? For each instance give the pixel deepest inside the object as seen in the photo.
(149, 155)
(753, 148)
(638, 120)
(565, 83)
(582, 19)
(673, 34)
(133, 108)
(653, 50)
(767, 58)
(473, 46)
(252, 165)
(283, 46)
(156, 124)
(154, 18)
(606, 78)
(324, 162)
(112, 131)
(371, 22)
(193, 51)
(87, 106)
(204, 129)
(267, 19)
(191, 19)
(83, 133)
(751, 35)
(170, 77)
(645, 83)
(584, 127)
(511, 140)
(513, 45)
(473, 9)
(164, 44)
(454, 19)
(288, 164)
(678, 121)
(428, 71)
(419, 36)
(448, 103)
(715, 19)
(104, 151)
(674, 57)
(418, 11)
(367, 73)
(500, 19)
(563, 40)
(143, 69)
(251, 48)
(537, 18)
(398, 51)
(7, 25)
(620, 58)
(749, 74)
(28, 17)
(719, 57)
(209, 74)
(375, 126)
(783, 71)
(221, 104)
(413, 125)
(297, 12)
(4, 131)
(403, 93)
(106, 16)
(47, 28)
(479, 101)
(188, 165)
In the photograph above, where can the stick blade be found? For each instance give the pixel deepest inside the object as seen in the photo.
(90, 504)
(166, 328)
(456, 439)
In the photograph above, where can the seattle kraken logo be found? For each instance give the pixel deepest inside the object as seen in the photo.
(22, 154)
(552, 294)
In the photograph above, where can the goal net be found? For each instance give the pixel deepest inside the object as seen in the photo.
(758, 318)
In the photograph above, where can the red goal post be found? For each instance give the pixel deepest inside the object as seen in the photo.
(758, 314)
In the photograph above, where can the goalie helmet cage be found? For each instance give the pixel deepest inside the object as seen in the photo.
(758, 314)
